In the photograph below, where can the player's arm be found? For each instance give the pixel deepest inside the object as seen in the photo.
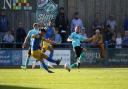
(70, 38)
(83, 38)
(48, 41)
(25, 41)
(89, 39)
(35, 36)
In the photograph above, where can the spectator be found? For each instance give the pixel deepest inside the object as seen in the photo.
(50, 31)
(41, 25)
(13, 32)
(3, 24)
(20, 33)
(112, 23)
(96, 24)
(126, 24)
(107, 35)
(125, 40)
(61, 22)
(8, 37)
(57, 37)
(118, 41)
(84, 33)
(76, 21)
(112, 41)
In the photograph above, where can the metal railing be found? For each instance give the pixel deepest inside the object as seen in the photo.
(62, 45)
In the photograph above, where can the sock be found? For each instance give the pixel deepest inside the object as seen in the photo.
(51, 60)
(43, 65)
(51, 54)
(74, 65)
(27, 61)
(82, 56)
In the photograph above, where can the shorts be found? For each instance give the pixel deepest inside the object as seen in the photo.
(78, 50)
(47, 48)
(37, 54)
(29, 51)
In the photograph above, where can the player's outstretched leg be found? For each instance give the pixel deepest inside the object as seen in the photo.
(54, 61)
(26, 63)
(81, 58)
(67, 67)
(43, 65)
(51, 53)
(74, 65)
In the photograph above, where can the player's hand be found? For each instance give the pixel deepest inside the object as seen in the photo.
(69, 40)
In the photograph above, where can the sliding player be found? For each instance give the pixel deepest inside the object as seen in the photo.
(46, 46)
(49, 35)
(37, 53)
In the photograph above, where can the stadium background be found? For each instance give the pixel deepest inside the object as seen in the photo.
(103, 8)
(83, 78)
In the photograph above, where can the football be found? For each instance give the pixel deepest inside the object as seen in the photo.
(67, 67)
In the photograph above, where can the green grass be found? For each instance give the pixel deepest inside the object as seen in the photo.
(86, 78)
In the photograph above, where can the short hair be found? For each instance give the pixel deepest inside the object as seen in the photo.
(76, 13)
(42, 30)
(35, 24)
(97, 30)
(61, 8)
(77, 27)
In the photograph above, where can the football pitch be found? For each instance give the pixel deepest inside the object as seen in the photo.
(85, 78)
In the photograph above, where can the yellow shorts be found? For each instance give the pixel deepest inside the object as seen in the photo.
(47, 47)
(38, 55)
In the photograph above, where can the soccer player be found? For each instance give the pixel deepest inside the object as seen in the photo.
(37, 53)
(47, 46)
(35, 30)
(76, 38)
(49, 35)
(97, 40)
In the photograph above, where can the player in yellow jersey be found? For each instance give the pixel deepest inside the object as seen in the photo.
(37, 53)
(47, 46)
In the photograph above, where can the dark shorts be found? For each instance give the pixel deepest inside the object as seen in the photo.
(78, 50)
(29, 51)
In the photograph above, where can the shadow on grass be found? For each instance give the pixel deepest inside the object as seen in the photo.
(16, 87)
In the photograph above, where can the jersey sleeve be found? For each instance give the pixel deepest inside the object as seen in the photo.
(71, 36)
(82, 38)
(29, 34)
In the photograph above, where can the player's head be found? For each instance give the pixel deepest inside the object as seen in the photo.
(76, 15)
(35, 25)
(42, 31)
(41, 24)
(61, 10)
(50, 23)
(56, 30)
(97, 31)
(77, 29)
